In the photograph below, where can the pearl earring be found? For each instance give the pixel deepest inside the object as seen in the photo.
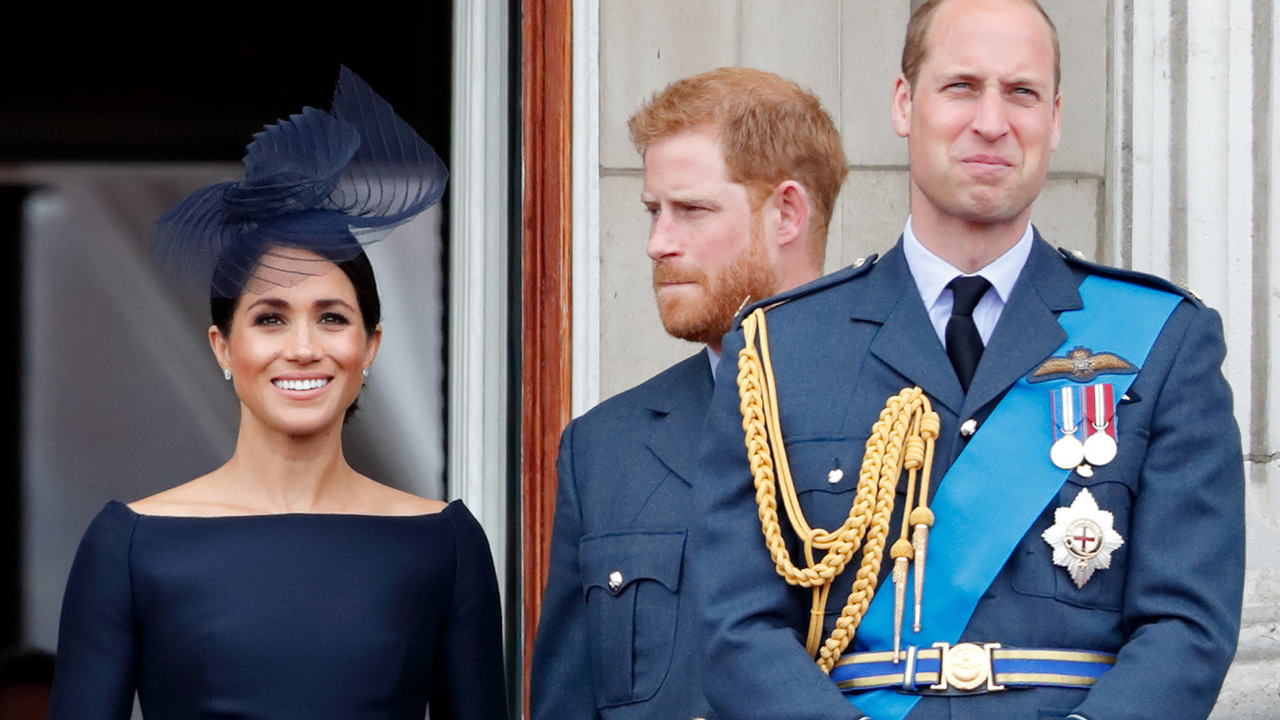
(365, 372)
(226, 373)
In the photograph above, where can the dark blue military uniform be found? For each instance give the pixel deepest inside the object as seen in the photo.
(619, 635)
(1169, 604)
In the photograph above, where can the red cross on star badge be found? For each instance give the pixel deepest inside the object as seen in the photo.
(1082, 537)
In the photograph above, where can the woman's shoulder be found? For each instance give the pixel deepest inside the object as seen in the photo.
(178, 500)
(386, 500)
(195, 498)
(113, 521)
(106, 543)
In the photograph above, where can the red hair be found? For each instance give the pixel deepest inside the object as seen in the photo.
(770, 130)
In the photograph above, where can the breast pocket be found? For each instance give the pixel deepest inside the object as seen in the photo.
(632, 584)
(1112, 487)
(825, 471)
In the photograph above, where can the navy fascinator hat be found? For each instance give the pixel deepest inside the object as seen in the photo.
(326, 182)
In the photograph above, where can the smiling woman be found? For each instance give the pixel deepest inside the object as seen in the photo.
(342, 306)
(298, 353)
(205, 599)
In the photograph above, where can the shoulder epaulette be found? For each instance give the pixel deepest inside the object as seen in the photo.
(1077, 259)
(859, 267)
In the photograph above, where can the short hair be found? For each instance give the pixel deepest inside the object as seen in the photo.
(916, 47)
(770, 130)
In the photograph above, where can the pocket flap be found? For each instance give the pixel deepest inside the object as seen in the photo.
(827, 465)
(615, 561)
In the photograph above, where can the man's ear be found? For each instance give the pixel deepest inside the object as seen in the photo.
(791, 201)
(902, 106)
(1057, 120)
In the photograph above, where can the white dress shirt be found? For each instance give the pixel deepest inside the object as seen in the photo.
(932, 274)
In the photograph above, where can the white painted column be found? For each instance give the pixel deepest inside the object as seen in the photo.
(1266, 461)
(1148, 247)
(478, 318)
(586, 206)
(1185, 70)
(1220, 175)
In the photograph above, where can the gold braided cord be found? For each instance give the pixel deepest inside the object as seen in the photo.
(901, 435)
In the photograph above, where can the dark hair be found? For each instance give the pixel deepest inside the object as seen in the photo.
(358, 270)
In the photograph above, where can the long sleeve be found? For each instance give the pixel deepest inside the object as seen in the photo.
(467, 673)
(97, 641)
(560, 661)
(1186, 555)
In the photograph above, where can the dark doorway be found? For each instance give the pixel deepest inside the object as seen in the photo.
(113, 83)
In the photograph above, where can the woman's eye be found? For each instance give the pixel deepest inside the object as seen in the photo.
(269, 318)
(333, 318)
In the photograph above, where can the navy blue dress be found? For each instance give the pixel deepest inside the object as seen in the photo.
(349, 617)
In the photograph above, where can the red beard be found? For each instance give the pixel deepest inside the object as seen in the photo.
(708, 315)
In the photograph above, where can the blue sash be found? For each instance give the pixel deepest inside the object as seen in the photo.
(1117, 317)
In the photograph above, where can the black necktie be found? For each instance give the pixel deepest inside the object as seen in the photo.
(964, 344)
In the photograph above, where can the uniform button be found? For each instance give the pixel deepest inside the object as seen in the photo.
(835, 476)
(968, 427)
(857, 264)
(615, 580)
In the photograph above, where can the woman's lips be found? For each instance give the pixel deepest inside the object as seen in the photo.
(301, 384)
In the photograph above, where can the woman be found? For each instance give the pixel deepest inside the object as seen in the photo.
(285, 584)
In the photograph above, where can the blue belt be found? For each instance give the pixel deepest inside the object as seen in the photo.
(969, 668)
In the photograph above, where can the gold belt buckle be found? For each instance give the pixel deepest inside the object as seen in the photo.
(966, 667)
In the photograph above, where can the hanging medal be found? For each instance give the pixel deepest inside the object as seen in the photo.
(1099, 424)
(1067, 451)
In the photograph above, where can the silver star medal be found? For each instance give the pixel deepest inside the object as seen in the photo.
(1082, 538)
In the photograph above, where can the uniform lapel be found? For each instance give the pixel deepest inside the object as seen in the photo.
(1028, 330)
(678, 410)
(906, 341)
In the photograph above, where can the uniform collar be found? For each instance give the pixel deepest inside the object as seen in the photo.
(931, 273)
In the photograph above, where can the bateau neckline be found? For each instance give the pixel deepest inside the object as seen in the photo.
(366, 516)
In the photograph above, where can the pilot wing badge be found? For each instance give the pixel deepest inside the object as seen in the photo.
(1081, 365)
(1083, 537)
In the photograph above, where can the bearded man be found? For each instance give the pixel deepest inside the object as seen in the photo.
(741, 173)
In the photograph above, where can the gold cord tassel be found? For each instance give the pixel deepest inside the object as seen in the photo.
(901, 422)
(921, 451)
(901, 553)
(920, 543)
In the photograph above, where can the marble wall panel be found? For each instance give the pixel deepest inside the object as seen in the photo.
(647, 45)
(871, 34)
(797, 40)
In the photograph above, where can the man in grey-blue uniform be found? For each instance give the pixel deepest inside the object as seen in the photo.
(741, 173)
(1085, 514)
